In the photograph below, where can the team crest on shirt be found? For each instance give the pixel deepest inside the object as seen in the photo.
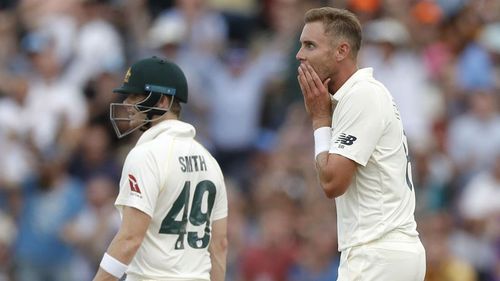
(134, 186)
(345, 139)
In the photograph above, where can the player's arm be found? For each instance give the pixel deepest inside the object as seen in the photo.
(335, 171)
(218, 250)
(125, 243)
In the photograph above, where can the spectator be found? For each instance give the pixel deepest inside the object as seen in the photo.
(482, 119)
(441, 263)
(94, 227)
(168, 38)
(388, 54)
(319, 258)
(207, 30)
(50, 202)
(489, 39)
(55, 111)
(97, 44)
(15, 143)
(480, 211)
(234, 115)
(93, 156)
(479, 198)
(270, 257)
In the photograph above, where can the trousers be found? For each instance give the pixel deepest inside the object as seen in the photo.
(394, 257)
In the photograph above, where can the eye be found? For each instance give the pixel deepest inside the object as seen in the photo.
(309, 45)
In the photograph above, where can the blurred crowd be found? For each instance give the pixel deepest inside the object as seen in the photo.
(60, 161)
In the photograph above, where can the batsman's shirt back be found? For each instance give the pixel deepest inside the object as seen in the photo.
(367, 129)
(175, 180)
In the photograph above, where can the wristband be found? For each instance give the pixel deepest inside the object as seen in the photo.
(322, 138)
(113, 266)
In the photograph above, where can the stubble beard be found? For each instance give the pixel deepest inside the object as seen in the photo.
(324, 73)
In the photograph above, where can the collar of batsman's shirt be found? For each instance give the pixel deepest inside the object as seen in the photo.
(359, 75)
(172, 127)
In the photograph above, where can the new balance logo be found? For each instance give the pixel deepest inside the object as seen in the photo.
(346, 139)
(133, 184)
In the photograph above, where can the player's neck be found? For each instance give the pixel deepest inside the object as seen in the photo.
(345, 72)
(167, 116)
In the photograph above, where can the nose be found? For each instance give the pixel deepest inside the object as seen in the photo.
(299, 56)
(127, 100)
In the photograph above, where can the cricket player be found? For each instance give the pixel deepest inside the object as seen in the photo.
(172, 197)
(361, 153)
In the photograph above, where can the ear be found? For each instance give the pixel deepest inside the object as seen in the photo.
(164, 101)
(343, 50)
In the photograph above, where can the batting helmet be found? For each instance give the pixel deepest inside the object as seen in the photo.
(152, 77)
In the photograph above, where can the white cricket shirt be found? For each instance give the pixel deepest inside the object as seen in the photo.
(367, 129)
(174, 179)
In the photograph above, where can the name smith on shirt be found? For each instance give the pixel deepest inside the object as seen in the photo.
(192, 163)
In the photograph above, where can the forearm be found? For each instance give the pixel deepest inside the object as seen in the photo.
(321, 122)
(123, 248)
(335, 173)
(218, 253)
(324, 175)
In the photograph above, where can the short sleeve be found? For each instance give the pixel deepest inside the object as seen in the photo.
(139, 183)
(358, 124)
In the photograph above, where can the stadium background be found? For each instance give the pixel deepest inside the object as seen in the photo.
(60, 161)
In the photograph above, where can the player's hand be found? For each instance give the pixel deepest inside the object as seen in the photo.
(316, 97)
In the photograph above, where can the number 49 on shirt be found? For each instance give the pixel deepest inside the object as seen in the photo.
(195, 214)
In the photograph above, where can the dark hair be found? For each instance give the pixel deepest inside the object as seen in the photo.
(338, 22)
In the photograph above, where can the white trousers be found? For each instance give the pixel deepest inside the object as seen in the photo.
(394, 257)
(137, 278)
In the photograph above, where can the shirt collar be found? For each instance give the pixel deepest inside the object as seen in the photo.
(360, 74)
(173, 127)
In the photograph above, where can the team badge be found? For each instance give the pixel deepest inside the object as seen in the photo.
(133, 184)
(127, 75)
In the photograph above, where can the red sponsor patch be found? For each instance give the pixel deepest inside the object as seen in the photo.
(133, 184)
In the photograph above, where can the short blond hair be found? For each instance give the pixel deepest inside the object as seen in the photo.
(338, 22)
